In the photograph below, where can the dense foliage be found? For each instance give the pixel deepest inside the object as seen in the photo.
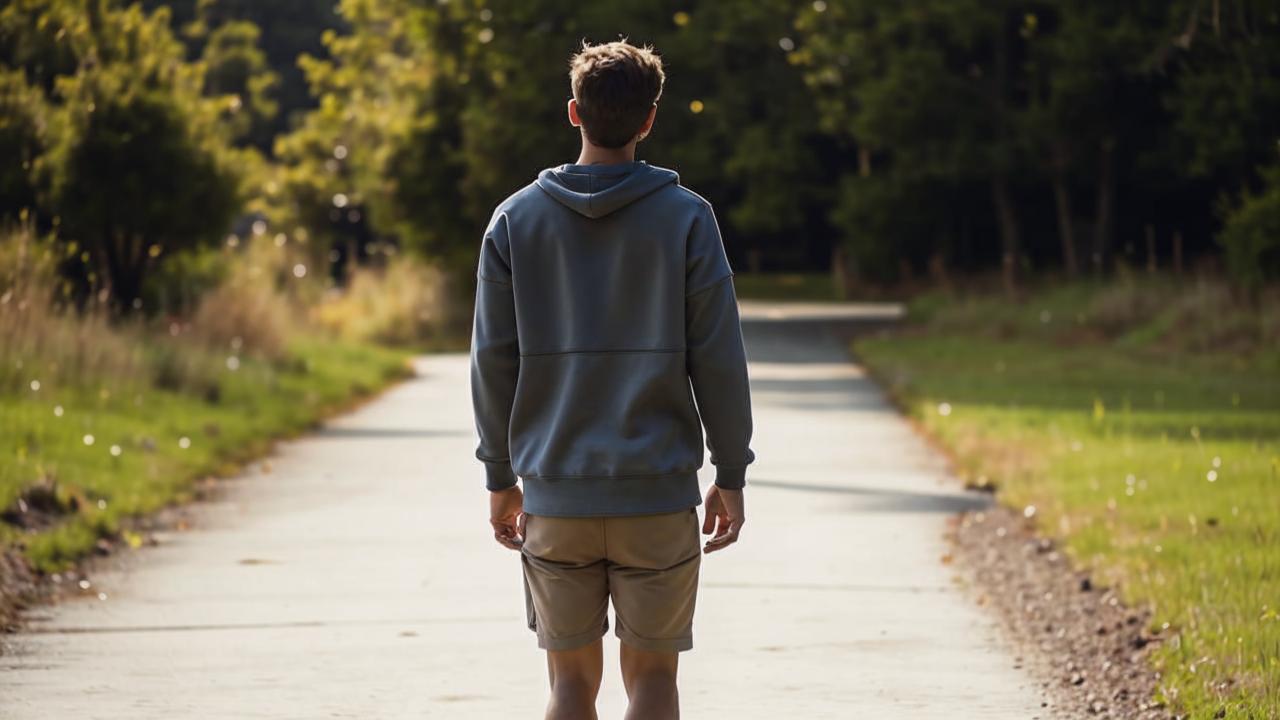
(122, 153)
(926, 136)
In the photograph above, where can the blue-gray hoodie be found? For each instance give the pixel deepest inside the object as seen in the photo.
(605, 307)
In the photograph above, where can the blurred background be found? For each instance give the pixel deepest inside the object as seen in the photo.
(223, 219)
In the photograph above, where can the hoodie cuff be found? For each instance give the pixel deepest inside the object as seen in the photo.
(731, 477)
(498, 476)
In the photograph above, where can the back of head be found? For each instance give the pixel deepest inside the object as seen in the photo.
(615, 85)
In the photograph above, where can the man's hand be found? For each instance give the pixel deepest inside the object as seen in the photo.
(506, 515)
(725, 516)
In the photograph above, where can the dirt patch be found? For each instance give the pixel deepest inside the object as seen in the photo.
(40, 506)
(23, 588)
(18, 588)
(1088, 650)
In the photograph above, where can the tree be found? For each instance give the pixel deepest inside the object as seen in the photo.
(23, 118)
(138, 166)
(1094, 100)
(929, 92)
(288, 29)
(236, 70)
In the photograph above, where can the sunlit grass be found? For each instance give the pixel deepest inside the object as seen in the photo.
(1160, 470)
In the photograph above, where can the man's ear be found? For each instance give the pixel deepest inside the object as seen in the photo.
(574, 119)
(648, 123)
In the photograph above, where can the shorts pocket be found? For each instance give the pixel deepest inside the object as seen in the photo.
(531, 616)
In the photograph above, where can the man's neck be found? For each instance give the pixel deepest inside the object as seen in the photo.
(596, 155)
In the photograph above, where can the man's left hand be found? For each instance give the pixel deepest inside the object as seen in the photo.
(506, 515)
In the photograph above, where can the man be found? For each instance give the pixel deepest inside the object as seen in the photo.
(605, 308)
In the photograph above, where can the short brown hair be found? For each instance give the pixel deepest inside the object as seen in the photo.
(615, 84)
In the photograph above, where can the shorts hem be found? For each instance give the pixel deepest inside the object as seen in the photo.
(571, 642)
(675, 644)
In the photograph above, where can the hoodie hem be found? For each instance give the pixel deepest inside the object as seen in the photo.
(610, 495)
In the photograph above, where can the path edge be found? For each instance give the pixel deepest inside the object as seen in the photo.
(24, 589)
(1007, 565)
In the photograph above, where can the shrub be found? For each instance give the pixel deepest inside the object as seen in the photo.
(1119, 307)
(1251, 235)
(243, 314)
(260, 302)
(404, 303)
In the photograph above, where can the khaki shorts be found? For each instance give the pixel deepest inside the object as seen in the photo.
(648, 565)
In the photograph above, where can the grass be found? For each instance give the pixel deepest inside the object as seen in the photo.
(1145, 435)
(149, 445)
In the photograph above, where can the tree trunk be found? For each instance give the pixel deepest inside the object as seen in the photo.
(1177, 253)
(1010, 240)
(844, 272)
(938, 271)
(1150, 232)
(1104, 210)
(1062, 199)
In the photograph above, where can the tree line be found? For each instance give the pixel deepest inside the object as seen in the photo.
(891, 139)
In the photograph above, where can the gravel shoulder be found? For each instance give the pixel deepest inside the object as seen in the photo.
(1087, 649)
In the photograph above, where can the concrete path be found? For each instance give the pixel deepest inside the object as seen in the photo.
(358, 578)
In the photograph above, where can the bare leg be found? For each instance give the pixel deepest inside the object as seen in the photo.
(575, 682)
(650, 680)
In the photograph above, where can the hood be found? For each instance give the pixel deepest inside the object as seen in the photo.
(597, 190)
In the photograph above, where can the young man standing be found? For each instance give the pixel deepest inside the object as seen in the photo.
(605, 308)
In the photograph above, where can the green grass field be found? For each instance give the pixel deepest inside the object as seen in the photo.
(1152, 452)
(97, 455)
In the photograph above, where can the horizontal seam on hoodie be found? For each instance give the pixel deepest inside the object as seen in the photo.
(604, 352)
(606, 477)
(495, 282)
(709, 287)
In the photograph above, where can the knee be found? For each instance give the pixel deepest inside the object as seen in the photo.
(653, 678)
(574, 688)
(657, 679)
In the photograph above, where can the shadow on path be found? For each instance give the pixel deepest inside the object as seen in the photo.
(883, 500)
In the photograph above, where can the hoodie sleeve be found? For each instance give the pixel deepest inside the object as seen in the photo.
(715, 356)
(495, 355)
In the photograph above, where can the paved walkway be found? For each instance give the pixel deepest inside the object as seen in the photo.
(358, 578)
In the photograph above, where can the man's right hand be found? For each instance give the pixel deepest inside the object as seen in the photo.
(725, 516)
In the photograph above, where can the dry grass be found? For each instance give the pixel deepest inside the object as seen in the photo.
(1162, 314)
(404, 303)
(41, 339)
